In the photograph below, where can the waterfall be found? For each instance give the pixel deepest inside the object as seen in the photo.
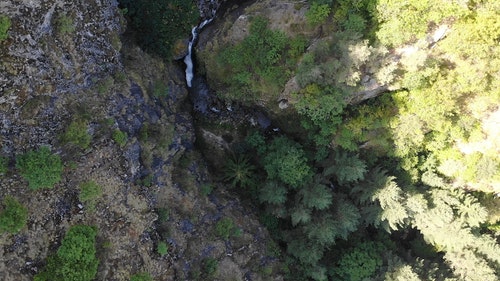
(188, 60)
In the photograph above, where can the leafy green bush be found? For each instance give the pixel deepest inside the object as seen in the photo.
(77, 133)
(318, 13)
(13, 215)
(4, 27)
(75, 259)
(162, 248)
(144, 276)
(40, 168)
(224, 228)
(120, 137)
(160, 23)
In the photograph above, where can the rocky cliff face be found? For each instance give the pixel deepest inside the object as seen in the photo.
(64, 61)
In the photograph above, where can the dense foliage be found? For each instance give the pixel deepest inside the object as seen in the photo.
(75, 259)
(40, 168)
(158, 24)
(400, 187)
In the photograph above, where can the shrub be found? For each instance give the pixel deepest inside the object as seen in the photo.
(163, 214)
(4, 27)
(3, 165)
(318, 13)
(120, 137)
(162, 248)
(40, 168)
(210, 266)
(160, 89)
(89, 191)
(224, 228)
(143, 276)
(13, 217)
(206, 189)
(65, 24)
(105, 85)
(76, 133)
(75, 259)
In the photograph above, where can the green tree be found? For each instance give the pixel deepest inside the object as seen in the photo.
(239, 172)
(13, 215)
(273, 193)
(41, 168)
(75, 259)
(382, 200)
(286, 161)
(318, 13)
(360, 262)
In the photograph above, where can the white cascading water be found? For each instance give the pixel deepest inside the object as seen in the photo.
(188, 60)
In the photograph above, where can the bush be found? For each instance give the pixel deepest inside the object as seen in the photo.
(224, 228)
(89, 191)
(75, 259)
(163, 214)
(40, 168)
(144, 276)
(206, 189)
(318, 13)
(162, 248)
(65, 24)
(3, 165)
(120, 137)
(13, 216)
(76, 133)
(210, 266)
(4, 27)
